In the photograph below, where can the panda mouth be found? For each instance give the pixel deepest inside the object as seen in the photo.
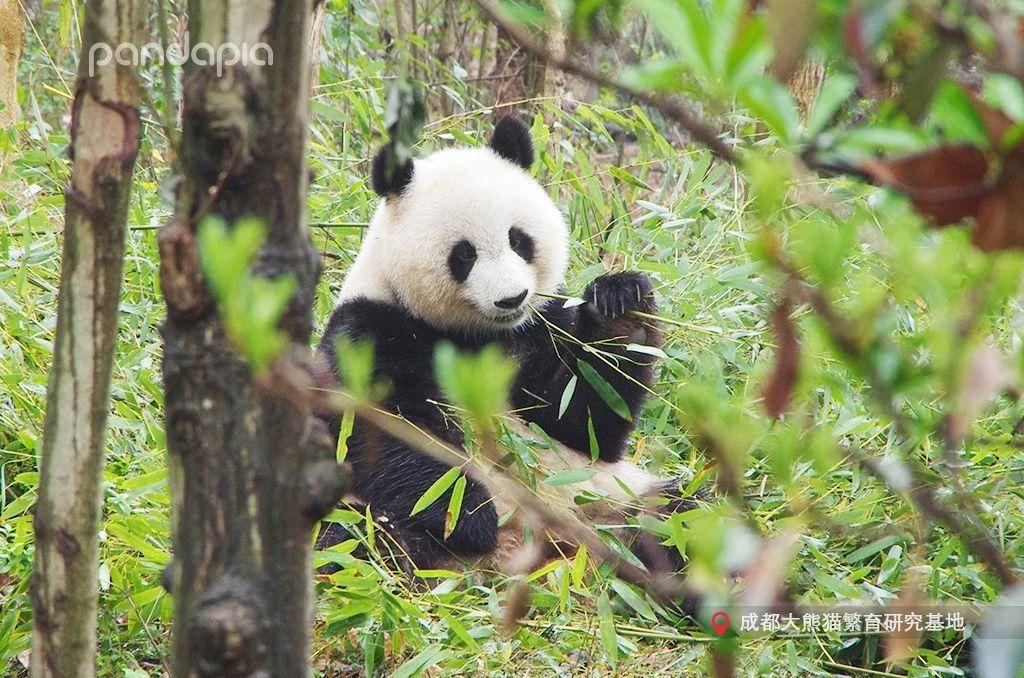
(510, 317)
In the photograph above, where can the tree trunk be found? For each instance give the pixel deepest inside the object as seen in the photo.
(316, 34)
(553, 79)
(104, 143)
(250, 471)
(804, 84)
(12, 42)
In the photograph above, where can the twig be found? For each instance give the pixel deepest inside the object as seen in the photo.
(672, 107)
(919, 490)
(502, 482)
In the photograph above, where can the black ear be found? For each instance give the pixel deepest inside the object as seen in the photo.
(512, 141)
(385, 184)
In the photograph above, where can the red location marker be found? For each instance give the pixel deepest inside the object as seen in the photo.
(720, 622)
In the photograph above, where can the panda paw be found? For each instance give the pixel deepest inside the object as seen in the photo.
(617, 294)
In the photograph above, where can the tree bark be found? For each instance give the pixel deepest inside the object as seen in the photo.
(553, 79)
(250, 470)
(104, 144)
(316, 33)
(804, 84)
(12, 43)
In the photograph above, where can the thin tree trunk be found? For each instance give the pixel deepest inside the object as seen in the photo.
(12, 42)
(104, 143)
(316, 33)
(553, 79)
(804, 84)
(250, 472)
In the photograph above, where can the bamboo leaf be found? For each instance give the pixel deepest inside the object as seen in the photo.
(451, 517)
(609, 640)
(434, 492)
(605, 390)
(570, 388)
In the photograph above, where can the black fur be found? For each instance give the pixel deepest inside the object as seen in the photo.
(392, 476)
(384, 185)
(461, 260)
(511, 140)
(521, 243)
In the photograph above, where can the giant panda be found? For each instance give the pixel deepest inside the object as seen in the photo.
(465, 247)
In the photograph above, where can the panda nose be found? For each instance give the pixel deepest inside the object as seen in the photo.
(511, 302)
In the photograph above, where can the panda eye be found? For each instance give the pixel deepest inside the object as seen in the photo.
(521, 243)
(461, 260)
(464, 251)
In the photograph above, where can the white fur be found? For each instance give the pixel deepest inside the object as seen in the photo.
(458, 194)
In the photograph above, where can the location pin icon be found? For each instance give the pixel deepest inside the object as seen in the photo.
(720, 622)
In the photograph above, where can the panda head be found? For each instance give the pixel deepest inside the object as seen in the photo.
(465, 238)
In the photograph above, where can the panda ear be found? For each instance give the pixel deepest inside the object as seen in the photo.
(383, 184)
(512, 142)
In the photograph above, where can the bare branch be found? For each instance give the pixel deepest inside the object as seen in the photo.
(674, 108)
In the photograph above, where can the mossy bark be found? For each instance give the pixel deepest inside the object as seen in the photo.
(104, 144)
(251, 472)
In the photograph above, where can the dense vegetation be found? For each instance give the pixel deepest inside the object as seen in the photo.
(890, 349)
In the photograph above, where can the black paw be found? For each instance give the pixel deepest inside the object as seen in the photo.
(617, 294)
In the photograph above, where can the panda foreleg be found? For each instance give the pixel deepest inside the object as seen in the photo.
(607, 325)
(394, 478)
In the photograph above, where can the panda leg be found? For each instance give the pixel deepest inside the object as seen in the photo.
(404, 547)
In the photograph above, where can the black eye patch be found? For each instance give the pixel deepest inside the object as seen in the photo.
(521, 243)
(461, 260)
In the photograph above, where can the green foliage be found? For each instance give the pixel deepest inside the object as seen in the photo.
(708, 235)
(478, 384)
(250, 306)
(405, 116)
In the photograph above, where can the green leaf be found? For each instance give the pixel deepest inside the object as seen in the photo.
(772, 103)
(1006, 93)
(609, 640)
(836, 90)
(478, 383)
(575, 475)
(656, 75)
(249, 306)
(874, 547)
(405, 115)
(633, 599)
(460, 631)
(436, 489)
(355, 365)
(451, 516)
(595, 447)
(684, 27)
(605, 390)
(625, 176)
(570, 388)
(347, 422)
(427, 658)
(579, 565)
(647, 350)
(954, 113)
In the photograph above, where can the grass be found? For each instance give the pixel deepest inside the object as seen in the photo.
(662, 208)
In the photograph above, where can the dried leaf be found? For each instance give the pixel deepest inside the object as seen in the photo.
(779, 388)
(946, 183)
(1000, 223)
(516, 606)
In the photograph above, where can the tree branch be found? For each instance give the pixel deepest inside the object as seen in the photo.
(673, 108)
